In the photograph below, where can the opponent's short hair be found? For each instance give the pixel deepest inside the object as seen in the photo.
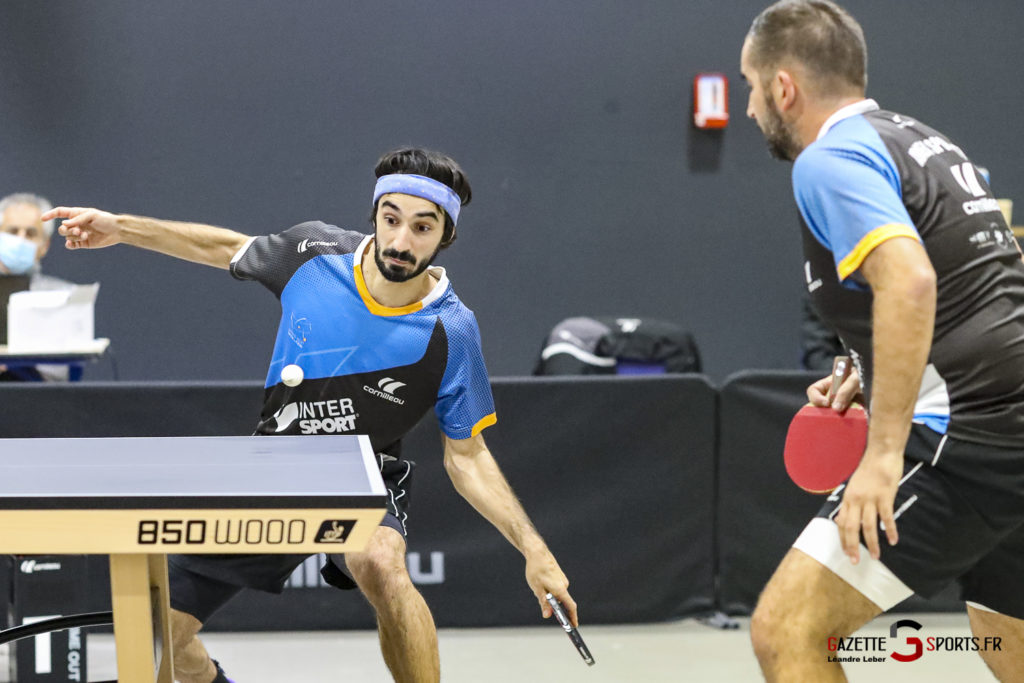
(820, 35)
(433, 165)
(41, 203)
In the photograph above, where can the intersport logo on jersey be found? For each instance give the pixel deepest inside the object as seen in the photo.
(333, 416)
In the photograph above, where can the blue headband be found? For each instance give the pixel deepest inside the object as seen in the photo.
(420, 186)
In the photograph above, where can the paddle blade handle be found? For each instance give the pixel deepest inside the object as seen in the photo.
(570, 630)
(841, 369)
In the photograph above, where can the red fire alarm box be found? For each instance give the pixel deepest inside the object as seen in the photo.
(710, 100)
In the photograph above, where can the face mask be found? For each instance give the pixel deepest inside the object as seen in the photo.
(18, 255)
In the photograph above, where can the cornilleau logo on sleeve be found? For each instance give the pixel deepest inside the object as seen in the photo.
(386, 389)
(967, 178)
(305, 244)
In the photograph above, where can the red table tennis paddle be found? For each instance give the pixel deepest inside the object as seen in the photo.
(824, 447)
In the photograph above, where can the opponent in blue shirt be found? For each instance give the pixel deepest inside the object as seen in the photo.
(371, 337)
(872, 176)
(909, 259)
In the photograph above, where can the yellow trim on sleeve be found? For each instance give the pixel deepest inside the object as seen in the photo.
(871, 240)
(376, 308)
(483, 424)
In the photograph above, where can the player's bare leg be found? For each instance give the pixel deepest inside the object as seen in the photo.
(1005, 661)
(803, 605)
(192, 664)
(408, 638)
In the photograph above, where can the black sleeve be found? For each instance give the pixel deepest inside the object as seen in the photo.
(271, 260)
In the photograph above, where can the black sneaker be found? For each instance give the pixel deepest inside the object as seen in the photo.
(220, 677)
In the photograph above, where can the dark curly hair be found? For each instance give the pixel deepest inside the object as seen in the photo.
(431, 164)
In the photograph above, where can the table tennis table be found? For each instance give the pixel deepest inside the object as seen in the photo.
(139, 499)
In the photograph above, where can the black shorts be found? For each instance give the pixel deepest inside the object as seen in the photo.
(202, 584)
(960, 517)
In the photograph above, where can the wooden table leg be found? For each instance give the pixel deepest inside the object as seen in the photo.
(133, 618)
(162, 615)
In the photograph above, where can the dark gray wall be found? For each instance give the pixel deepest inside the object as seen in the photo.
(592, 192)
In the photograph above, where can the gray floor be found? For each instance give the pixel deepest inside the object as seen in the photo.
(681, 651)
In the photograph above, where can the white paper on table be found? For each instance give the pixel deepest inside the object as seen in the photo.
(52, 320)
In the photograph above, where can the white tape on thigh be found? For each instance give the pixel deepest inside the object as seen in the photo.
(871, 578)
(979, 606)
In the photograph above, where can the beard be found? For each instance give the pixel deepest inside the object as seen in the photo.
(396, 273)
(781, 139)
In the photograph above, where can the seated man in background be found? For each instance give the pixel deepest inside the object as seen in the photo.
(24, 241)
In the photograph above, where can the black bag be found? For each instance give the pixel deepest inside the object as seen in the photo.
(608, 346)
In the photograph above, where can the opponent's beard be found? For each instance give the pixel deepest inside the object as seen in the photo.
(780, 136)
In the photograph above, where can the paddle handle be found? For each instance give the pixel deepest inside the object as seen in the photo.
(841, 369)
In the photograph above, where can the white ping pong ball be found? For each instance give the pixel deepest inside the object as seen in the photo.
(292, 375)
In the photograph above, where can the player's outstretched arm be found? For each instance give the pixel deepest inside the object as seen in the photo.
(85, 228)
(479, 480)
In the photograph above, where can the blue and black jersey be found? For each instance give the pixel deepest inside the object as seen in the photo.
(874, 175)
(368, 369)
